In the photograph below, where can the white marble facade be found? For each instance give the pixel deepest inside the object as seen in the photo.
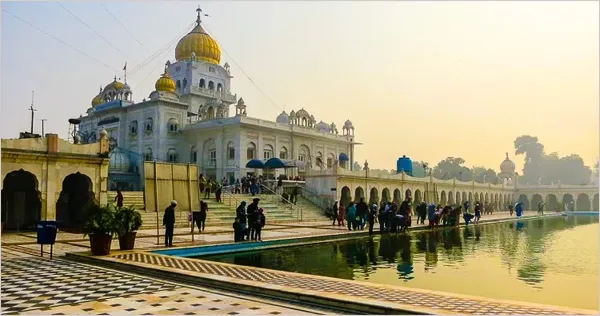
(188, 120)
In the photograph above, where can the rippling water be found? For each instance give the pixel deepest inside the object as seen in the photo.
(549, 261)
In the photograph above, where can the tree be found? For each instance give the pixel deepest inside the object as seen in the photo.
(418, 169)
(452, 167)
(534, 152)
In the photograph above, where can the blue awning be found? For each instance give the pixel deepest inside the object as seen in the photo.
(256, 164)
(344, 157)
(276, 163)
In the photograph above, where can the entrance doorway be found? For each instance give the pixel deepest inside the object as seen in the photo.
(21, 202)
(75, 199)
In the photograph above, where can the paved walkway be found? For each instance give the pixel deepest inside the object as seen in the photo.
(67, 287)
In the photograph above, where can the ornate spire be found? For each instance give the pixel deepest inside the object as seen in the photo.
(199, 18)
(507, 155)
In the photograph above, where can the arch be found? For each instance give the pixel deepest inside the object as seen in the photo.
(358, 194)
(471, 197)
(211, 85)
(464, 197)
(525, 200)
(251, 151)
(487, 199)
(202, 83)
(552, 203)
(596, 203)
(283, 153)
(373, 196)
(458, 197)
(385, 195)
(230, 151)
(418, 196)
(346, 197)
(76, 197)
(397, 196)
(501, 203)
(267, 152)
(535, 200)
(567, 202)
(21, 201)
(208, 148)
(178, 84)
(184, 83)
(148, 154)
(319, 160)
(443, 198)
(450, 198)
(304, 155)
(219, 87)
(583, 202)
(172, 155)
(407, 194)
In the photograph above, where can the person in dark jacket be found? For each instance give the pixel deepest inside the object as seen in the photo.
(169, 223)
(362, 209)
(335, 210)
(371, 217)
(238, 230)
(252, 211)
(259, 224)
(201, 221)
(119, 199)
(240, 214)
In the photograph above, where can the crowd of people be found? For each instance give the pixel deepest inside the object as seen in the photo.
(398, 218)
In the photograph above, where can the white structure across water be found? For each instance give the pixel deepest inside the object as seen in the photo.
(187, 119)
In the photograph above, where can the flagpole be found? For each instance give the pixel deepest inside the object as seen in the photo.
(125, 76)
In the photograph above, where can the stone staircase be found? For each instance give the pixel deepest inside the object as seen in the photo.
(130, 198)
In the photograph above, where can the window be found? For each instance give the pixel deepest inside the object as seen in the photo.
(178, 68)
(213, 157)
(283, 154)
(219, 87)
(178, 84)
(329, 163)
(267, 152)
(148, 125)
(230, 151)
(148, 154)
(133, 126)
(184, 82)
(251, 151)
(211, 85)
(173, 125)
(211, 69)
(193, 155)
(202, 83)
(172, 155)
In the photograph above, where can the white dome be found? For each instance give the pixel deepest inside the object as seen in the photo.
(283, 118)
(119, 161)
(507, 166)
(323, 127)
(348, 124)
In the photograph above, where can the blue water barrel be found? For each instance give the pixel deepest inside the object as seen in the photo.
(404, 163)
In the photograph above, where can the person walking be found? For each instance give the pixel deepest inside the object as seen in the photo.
(218, 190)
(371, 217)
(119, 199)
(351, 216)
(362, 209)
(335, 210)
(240, 214)
(259, 224)
(169, 223)
(207, 189)
(201, 221)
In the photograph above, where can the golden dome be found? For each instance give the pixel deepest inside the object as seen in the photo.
(114, 85)
(165, 83)
(200, 43)
(97, 99)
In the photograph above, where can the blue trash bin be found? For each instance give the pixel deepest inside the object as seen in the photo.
(46, 235)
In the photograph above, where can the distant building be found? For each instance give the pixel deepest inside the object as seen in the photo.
(187, 120)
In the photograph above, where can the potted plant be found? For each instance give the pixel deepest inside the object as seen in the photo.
(101, 225)
(129, 220)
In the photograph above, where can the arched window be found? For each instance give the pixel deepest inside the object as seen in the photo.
(148, 154)
(178, 84)
(330, 161)
(148, 125)
(202, 83)
(211, 85)
(184, 82)
(251, 151)
(267, 152)
(230, 151)
(173, 125)
(283, 153)
(133, 128)
(193, 155)
(219, 87)
(172, 155)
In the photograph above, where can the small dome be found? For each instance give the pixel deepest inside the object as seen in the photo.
(165, 83)
(507, 166)
(293, 114)
(283, 118)
(199, 43)
(115, 85)
(348, 124)
(118, 162)
(97, 99)
(241, 101)
(323, 127)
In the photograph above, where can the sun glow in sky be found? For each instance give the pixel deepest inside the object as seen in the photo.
(424, 79)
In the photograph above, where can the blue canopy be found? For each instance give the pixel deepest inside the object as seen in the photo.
(255, 164)
(344, 157)
(276, 163)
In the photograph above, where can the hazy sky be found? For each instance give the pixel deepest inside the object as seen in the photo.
(425, 79)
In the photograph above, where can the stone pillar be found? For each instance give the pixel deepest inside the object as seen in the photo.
(53, 188)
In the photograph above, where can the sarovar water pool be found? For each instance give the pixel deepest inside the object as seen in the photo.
(550, 261)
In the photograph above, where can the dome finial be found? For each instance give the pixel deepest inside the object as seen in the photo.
(507, 155)
(199, 18)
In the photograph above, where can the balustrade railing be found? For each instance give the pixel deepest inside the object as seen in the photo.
(276, 198)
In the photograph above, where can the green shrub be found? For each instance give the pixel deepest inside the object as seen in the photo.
(101, 220)
(128, 219)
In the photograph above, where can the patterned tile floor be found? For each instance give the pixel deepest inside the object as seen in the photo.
(296, 283)
(59, 287)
